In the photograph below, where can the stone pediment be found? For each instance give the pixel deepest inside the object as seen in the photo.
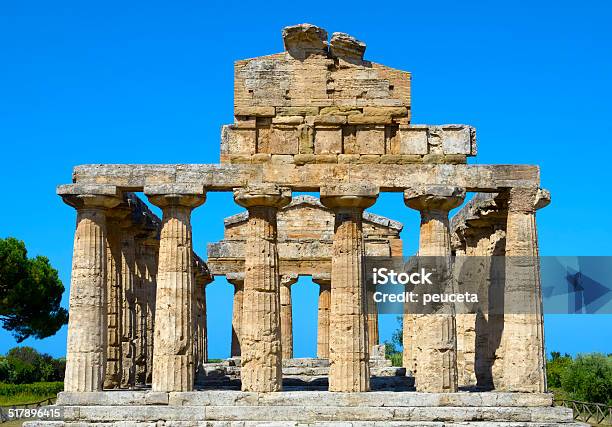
(322, 102)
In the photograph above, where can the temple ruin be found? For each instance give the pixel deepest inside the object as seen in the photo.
(316, 118)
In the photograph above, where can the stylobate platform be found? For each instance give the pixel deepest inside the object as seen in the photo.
(312, 408)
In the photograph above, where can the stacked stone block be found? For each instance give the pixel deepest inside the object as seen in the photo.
(326, 104)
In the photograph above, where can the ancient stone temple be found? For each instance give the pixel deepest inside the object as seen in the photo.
(316, 118)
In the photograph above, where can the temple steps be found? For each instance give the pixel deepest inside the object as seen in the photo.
(312, 408)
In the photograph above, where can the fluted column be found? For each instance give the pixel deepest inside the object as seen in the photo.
(372, 316)
(174, 329)
(147, 246)
(323, 316)
(435, 332)
(150, 255)
(114, 298)
(287, 314)
(261, 330)
(524, 361)
(87, 328)
(201, 336)
(128, 299)
(348, 338)
(237, 280)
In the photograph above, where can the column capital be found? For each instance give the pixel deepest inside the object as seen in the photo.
(339, 196)
(322, 279)
(201, 273)
(166, 195)
(89, 196)
(270, 195)
(236, 279)
(527, 199)
(434, 197)
(288, 279)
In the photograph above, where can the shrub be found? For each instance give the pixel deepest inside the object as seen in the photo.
(589, 378)
(556, 366)
(23, 365)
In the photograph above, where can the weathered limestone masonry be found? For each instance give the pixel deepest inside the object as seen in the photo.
(260, 330)
(237, 280)
(173, 368)
(315, 118)
(348, 340)
(131, 284)
(305, 236)
(435, 351)
(322, 103)
(480, 230)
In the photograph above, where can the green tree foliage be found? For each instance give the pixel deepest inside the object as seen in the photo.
(587, 378)
(555, 368)
(30, 293)
(393, 348)
(25, 365)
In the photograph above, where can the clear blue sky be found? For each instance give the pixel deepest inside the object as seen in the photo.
(151, 82)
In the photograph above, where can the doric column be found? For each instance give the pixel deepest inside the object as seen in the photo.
(201, 337)
(260, 333)
(523, 334)
(286, 281)
(237, 280)
(87, 328)
(149, 252)
(323, 315)
(372, 315)
(147, 246)
(128, 299)
(348, 338)
(114, 298)
(435, 332)
(174, 329)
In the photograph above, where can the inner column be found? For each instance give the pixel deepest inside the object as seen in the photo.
(261, 326)
(348, 339)
(237, 280)
(324, 283)
(287, 280)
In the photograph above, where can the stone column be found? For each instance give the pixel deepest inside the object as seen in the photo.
(323, 316)
(237, 280)
(87, 328)
(524, 368)
(150, 255)
(436, 357)
(146, 247)
(201, 338)
(260, 332)
(348, 338)
(114, 298)
(372, 316)
(174, 329)
(128, 299)
(287, 314)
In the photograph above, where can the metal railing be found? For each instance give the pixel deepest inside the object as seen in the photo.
(593, 413)
(33, 405)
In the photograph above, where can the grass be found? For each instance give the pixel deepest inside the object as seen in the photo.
(20, 399)
(15, 423)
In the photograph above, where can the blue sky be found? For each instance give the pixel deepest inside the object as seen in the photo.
(151, 82)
